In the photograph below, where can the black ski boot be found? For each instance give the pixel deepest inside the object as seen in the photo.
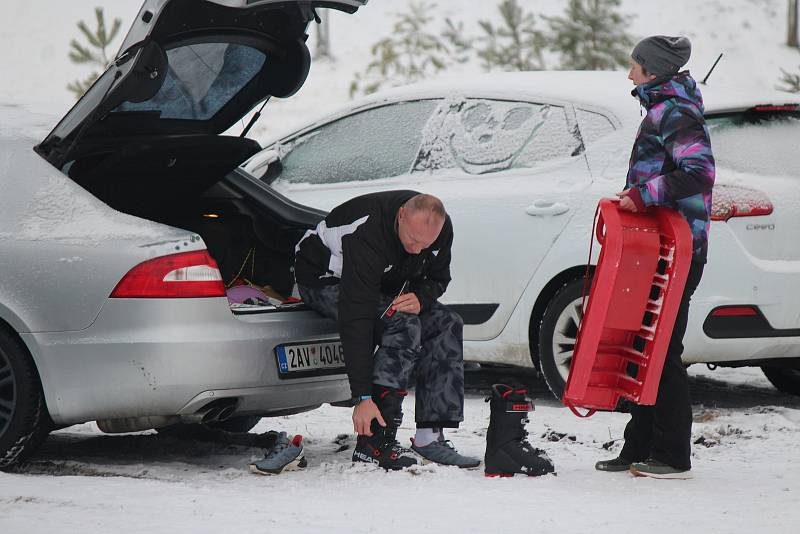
(507, 449)
(382, 448)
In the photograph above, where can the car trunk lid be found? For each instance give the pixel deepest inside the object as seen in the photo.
(192, 67)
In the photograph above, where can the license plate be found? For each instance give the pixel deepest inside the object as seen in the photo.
(323, 357)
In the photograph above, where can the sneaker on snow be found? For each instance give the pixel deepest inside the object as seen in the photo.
(284, 455)
(655, 469)
(614, 465)
(442, 452)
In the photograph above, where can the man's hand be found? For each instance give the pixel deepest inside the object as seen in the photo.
(407, 303)
(363, 414)
(625, 201)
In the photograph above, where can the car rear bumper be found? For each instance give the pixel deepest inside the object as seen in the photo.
(162, 357)
(735, 278)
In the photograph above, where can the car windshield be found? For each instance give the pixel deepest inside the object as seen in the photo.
(762, 142)
(201, 80)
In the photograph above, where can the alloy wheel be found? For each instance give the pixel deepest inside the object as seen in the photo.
(565, 335)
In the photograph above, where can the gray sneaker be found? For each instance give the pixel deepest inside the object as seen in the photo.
(284, 455)
(443, 452)
(655, 469)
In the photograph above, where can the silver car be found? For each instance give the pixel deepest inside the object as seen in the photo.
(122, 232)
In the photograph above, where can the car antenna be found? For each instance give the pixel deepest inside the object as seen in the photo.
(711, 69)
(254, 118)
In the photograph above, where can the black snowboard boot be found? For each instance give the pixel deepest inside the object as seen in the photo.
(507, 449)
(382, 448)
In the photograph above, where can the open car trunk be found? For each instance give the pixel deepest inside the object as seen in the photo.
(192, 183)
(146, 138)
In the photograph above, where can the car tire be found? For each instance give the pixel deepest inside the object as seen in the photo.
(785, 379)
(558, 331)
(240, 425)
(24, 422)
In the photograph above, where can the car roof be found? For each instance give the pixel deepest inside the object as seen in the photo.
(18, 122)
(610, 90)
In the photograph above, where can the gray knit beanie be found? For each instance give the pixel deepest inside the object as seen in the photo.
(662, 55)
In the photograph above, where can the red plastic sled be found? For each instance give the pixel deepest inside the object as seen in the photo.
(636, 291)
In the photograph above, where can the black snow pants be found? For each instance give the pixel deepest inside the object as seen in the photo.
(663, 431)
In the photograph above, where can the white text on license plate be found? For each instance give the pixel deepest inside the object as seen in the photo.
(310, 357)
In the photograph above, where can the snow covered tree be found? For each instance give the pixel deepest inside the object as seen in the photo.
(460, 44)
(412, 53)
(791, 82)
(591, 35)
(516, 44)
(95, 52)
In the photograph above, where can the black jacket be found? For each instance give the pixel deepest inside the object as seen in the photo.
(357, 247)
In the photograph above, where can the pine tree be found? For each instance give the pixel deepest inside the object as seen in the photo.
(95, 52)
(591, 35)
(514, 45)
(791, 82)
(460, 46)
(410, 55)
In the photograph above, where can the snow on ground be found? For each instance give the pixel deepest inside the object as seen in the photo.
(746, 476)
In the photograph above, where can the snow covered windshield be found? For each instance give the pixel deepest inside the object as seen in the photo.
(762, 143)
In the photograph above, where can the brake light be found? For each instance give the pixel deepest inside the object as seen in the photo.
(184, 275)
(735, 311)
(734, 201)
(770, 107)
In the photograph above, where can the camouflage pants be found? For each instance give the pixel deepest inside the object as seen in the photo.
(428, 347)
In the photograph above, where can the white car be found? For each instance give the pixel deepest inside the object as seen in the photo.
(521, 160)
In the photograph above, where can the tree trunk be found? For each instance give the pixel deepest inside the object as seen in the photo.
(324, 39)
(791, 38)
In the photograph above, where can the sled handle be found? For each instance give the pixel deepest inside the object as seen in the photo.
(574, 410)
(601, 227)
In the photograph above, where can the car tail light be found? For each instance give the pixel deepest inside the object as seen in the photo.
(735, 311)
(185, 275)
(734, 201)
(772, 107)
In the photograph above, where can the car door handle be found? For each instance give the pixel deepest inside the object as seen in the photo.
(546, 208)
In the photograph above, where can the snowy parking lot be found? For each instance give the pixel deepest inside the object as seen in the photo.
(746, 475)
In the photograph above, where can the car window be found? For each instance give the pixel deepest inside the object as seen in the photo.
(594, 126)
(762, 143)
(376, 143)
(201, 79)
(483, 136)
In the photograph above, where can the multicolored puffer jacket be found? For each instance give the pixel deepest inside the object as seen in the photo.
(671, 163)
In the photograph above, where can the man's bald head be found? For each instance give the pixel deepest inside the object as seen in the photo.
(419, 222)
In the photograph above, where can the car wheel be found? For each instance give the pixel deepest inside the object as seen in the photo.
(557, 334)
(23, 417)
(785, 379)
(241, 425)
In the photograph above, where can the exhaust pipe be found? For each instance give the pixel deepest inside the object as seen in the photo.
(217, 410)
(226, 412)
(211, 415)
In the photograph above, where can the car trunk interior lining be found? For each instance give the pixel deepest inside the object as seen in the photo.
(180, 181)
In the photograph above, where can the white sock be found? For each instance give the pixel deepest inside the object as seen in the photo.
(426, 436)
